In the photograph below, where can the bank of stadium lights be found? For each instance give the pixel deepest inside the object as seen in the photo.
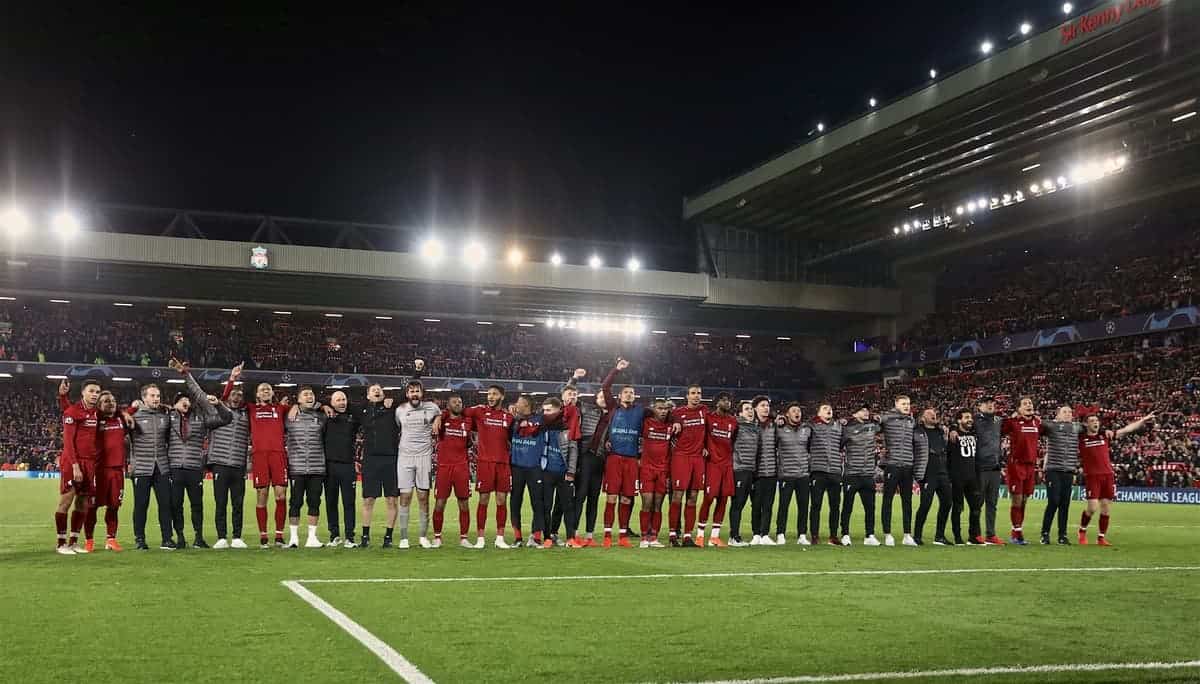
(14, 221)
(986, 47)
(432, 250)
(65, 224)
(628, 326)
(1080, 174)
(1183, 117)
(515, 256)
(556, 259)
(595, 261)
(473, 253)
(1067, 8)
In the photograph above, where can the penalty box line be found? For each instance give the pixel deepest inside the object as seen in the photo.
(963, 672)
(722, 575)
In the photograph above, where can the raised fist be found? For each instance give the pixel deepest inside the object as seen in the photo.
(64, 387)
(236, 372)
(622, 364)
(579, 373)
(388, 402)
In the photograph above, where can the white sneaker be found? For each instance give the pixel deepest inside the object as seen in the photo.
(479, 544)
(77, 548)
(889, 540)
(403, 544)
(870, 541)
(532, 544)
(644, 544)
(656, 544)
(313, 543)
(424, 542)
(349, 544)
(336, 541)
(237, 543)
(780, 540)
(909, 541)
(737, 543)
(500, 544)
(437, 543)
(221, 544)
(766, 540)
(64, 550)
(466, 544)
(756, 541)
(803, 540)
(293, 543)
(845, 540)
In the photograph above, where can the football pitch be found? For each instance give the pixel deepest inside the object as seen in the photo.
(784, 614)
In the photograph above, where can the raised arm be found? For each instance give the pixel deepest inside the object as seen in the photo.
(572, 381)
(64, 399)
(1135, 426)
(217, 415)
(610, 399)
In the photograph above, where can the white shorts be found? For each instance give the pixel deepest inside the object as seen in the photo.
(413, 474)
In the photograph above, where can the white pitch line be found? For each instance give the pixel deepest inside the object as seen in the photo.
(719, 575)
(963, 672)
(399, 664)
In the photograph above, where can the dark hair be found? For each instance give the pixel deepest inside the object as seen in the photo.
(180, 395)
(689, 387)
(628, 387)
(414, 383)
(864, 407)
(985, 399)
(498, 388)
(453, 395)
(723, 395)
(759, 399)
(553, 401)
(792, 404)
(148, 386)
(108, 392)
(88, 382)
(965, 412)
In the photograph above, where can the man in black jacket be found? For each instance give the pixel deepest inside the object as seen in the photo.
(964, 478)
(381, 437)
(930, 469)
(341, 432)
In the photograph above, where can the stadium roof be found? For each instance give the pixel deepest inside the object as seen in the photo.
(1108, 80)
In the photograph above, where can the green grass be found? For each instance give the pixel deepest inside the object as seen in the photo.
(225, 616)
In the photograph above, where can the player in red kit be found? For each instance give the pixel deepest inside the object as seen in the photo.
(77, 466)
(652, 471)
(718, 473)
(269, 461)
(1024, 430)
(453, 470)
(1098, 477)
(110, 472)
(493, 473)
(687, 462)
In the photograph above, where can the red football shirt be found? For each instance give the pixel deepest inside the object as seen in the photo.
(453, 439)
(266, 426)
(1023, 435)
(493, 426)
(573, 421)
(690, 440)
(720, 438)
(1094, 454)
(656, 444)
(112, 442)
(81, 435)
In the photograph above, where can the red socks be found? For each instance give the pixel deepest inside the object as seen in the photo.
(439, 517)
(480, 518)
(655, 524)
(719, 516)
(689, 518)
(1017, 516)
(610, 514)
(705, 507)
(1103, 525)
(89, 523)
(673, 515)
(464, 521)
(60, 526)
(644, 518)
(280, 516)
(260, 512)
(626, 512)
(1084, 520)
(110, 522)
(501, 518)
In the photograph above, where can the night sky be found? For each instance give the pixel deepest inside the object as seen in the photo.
(586, 119)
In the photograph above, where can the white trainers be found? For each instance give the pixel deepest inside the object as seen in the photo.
(403, 544)
(424, 542)
(767, 541)
(656, 544)
(221, 544)
(870, 540)
(737, 543)
(500, 544)
(756, 541)
(780, 540)
(845, 540)
(77, 548)
(909, 541)
(803, 540)
(479, 543)
(468, 545)
(313, 543)
(644, 544)
(64, 550)
(531, 543)
(336, 541)
(237, 543)
(889, 540)
(349, 544)
(293, 543)
(437, 543)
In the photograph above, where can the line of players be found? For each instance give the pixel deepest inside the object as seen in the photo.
(563, 456)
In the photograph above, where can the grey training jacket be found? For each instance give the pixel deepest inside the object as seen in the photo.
(151, 428)
(825, 447)
(898, 432)
(227, 444)
(858, 439)
(306, 442)
(791, 450)
(747, 446)
(188, 453)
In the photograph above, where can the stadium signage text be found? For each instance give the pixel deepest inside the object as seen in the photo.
(1108, 16)
(1158, 495)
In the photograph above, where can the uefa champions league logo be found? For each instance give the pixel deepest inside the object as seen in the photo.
(1007, 342)
(258, 258)
(1110, 327)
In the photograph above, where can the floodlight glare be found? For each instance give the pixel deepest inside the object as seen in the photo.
(556, 259)
(14, 221)
(986, 47)
(432, 250)
(65, 224)
(473, 253)
(515, 256)
(1067, 8)
(1026, 28)
(633, 264)
(595, 261)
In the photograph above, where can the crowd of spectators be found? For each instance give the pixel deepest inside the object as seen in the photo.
(94, 332)
(1121, 380)
(1076, 276)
